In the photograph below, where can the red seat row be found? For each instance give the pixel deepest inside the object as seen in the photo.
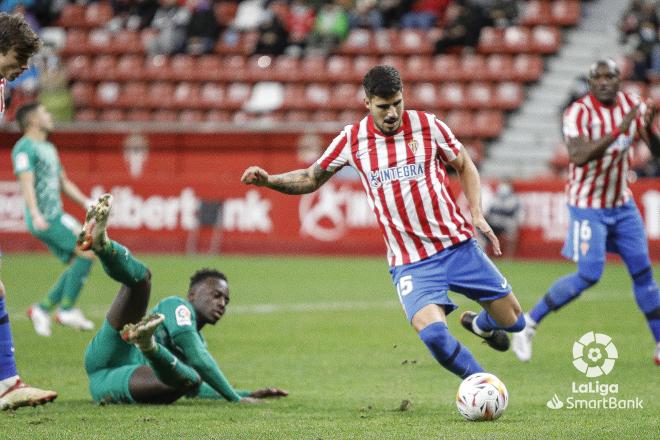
(541, 40)
(550, 13)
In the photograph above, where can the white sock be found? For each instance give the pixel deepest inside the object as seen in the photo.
(530, 322)
(7, 383)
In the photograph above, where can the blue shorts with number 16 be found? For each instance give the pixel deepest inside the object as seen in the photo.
(463, 268)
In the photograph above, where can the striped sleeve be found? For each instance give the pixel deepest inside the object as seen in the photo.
(338, 152)
(448, 145)
(574, 123)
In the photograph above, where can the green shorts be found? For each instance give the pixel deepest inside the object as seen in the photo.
(60, 237)
(110, 362)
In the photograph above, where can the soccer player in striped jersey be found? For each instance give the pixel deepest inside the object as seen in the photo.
(400, 156)
(599, 130)
(17, 44)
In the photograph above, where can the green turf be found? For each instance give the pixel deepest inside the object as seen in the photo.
(348, 369)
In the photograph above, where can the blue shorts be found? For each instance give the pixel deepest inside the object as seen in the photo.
(463, 268)
(594, 232)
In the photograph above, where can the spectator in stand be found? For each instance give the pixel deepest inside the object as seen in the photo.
(330, 29)
(638, 11)
(203, 28)
(54, 93)
(424, 14)
(273, 37)
(503, 215)
(299, 22)
(365, 14)
(249, 15)
(170, 21)
(502, 13)
(132, 14)
(465, 21)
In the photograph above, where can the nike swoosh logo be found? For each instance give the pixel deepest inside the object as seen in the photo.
(504, 283)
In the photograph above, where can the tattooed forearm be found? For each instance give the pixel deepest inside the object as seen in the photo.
(299, 181)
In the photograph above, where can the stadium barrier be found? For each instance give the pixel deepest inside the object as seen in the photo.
(160, 184)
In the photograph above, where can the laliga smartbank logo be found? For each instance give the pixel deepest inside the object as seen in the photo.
(594, 355)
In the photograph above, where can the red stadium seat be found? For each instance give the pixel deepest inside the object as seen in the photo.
(517, 39)
(545, 40)
(325, 116)
(99, 41)
(451, 95)
(259, 68)
(111, 115)
(86, 115)
(361, 66)
(160, 95)
(398, 62)
(358, 42)
(422, 96)
(383, 41)
(72, 16)
(83, 94)
(191, 116)
(239, 43)
(103, 68)
(478, 95)
(294, 97)
(346, 96)
(181, 68)
(499, 67)
(126, 42)
(237, 94)
(351, 116)
(317, 96)
(165, 116)
(286, 68)
(297, 116)
(339, 69)
(107, 94)
(207, 68)
(211, 96)
(129, 67)
(218, 116)
(491, 40)
(133, 95)
(527, 68)
(156, 68)
(98, 14)
(418, 68)
(139, 115)
(234, 69)
(488, 124)
(412, 42)
(78, 67)
(446, 68)
(461, 123)
(312, 68)
(76, 43)
(566, 12)
(473, 67)
(187, 96)
(509, 95)
(536, 12)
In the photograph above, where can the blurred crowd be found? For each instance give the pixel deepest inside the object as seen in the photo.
(638, 33)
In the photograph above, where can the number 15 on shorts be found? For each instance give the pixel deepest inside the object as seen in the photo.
(404, 286)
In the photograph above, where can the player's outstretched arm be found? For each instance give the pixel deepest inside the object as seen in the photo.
(301, 181)
(581, 150)
(72, 191)
(471, 184)
(646, 132)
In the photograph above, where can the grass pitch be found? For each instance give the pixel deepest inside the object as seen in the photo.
(331, 331)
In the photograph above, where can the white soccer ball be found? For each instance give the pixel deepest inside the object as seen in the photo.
(482, 396)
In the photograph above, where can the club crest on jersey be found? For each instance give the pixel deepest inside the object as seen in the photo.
(413, 146)
(404, 172)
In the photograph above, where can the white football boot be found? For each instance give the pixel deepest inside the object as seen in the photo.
(20, 394)
(93, 235)
(73, 318)
(521, 342)
(142, 333)
(40, 320)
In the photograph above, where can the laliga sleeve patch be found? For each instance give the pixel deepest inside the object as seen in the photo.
(22, 162)
(183, 316)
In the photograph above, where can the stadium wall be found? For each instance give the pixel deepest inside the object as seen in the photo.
(160, 186)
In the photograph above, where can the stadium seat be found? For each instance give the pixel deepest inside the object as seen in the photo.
(508, 95)
(478, 95)
(156, 68)
(99, 41)
(111, 115)
(72, 16)
(98, 14)
(545, 40)
(536, 12)
(258, 68)
(351, 116)
(361, 66)
(211, 96)
(517, 39)
(412, 42)
(160, 95)
(398, 62)
(133, 95)
(346, 96)
(491, 40)
(499, 67)
(139, 115)
(311, 68)
(473, 67)
(422, 96)
(527, 68)
(207, 68)
(186, 96)
(339, 69)
(164, 116)
(237, 94)
(83, 94)
(446, 67)
(103, 68)
(358, 42)
(297, 116)
(86, 115)
(237, 43)
(217, 116)
(461, 123)
(129, 67)
(181, 68)
(451, 95)
(286, 68)
(383, 41)
(317, 96)
(294, 97)
(234, 69)
(324, 116)
(566, 12)
(76, 43)
(126, 41)
(191, 116)
(79, 67)
(488, 124)
(418, 68)
(107, 94)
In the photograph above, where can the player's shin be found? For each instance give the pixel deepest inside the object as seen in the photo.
(487, 323)
(54, 295)
(448, 351)
(169, 369)
(563, 291)
(7, 361)
(647, 296)
(120, 264)
(77, 275)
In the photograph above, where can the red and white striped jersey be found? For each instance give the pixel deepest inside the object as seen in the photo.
(406, 183)
(601, 183)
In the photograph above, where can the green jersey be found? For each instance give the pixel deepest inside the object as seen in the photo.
(40, 157)
(179, 318)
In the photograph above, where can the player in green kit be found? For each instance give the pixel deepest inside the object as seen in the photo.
(163, 356)
(43, 179)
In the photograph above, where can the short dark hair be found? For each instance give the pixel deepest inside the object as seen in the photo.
(203, 274)
(16, 34)
(607, 62)
(383, 81)
(24, 112)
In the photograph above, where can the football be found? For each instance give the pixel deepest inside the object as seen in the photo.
(482, 396)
